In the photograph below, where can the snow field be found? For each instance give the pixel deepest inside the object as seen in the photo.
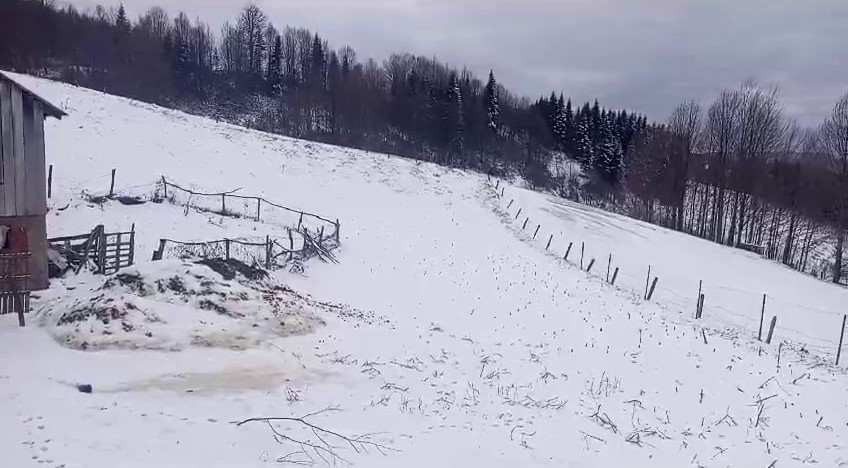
(474, 348)
(809, 311)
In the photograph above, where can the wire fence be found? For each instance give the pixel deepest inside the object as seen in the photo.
(308, 235)
(726, 305)
(268, 253)
(256, 208)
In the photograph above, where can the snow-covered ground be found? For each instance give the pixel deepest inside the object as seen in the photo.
(472, 346)
(733, 281)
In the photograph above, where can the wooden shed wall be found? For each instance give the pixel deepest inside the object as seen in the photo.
(22, 173)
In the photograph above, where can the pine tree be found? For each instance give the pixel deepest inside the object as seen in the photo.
(585, 148)
(595, 124)
(182, 65)
(493, 109)
(608, 160)
(454, 124)
(274, 74)
(121, 21)
(570, 146)
(559, 127)
(319, 63)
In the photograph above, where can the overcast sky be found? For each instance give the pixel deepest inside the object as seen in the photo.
(645, 55)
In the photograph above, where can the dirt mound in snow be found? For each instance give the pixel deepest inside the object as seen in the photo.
(174, 304)
(231, 267)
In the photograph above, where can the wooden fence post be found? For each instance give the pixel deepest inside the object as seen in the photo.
(582, 251)
(609, 265)
(300, 221)
(101, 257)
(510, 203)
(549, 242)
(771, 329)
(227, 249)
(568, 251)
(50, 182)
(337, 231)
(698, 297)
(165, 184)
(19, 302)
(518, 214)
(841, 336)
(497, 184)
(614, 276)
(762, 317)
(699, 311)
(157, 254)
(647, 282)
(291, 244)
(653, 286)
(537, 231)
(321, 237)
(258, 208)
(132, 245)
(502, 190)
(223, 203)
(268, 247)
(591, 263)
(525, 222)
(112, 185)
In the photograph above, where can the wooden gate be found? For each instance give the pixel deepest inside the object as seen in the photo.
(14, 284)
(117, 250)
(108, 252)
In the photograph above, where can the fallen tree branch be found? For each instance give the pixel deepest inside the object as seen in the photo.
(323, 447)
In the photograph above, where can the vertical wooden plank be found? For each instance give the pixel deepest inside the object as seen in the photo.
(841, 338)
(771, 329)
(7, 172)
(118, 252)
(101, 257)
(132, 246)
(18, 151)
(3, 86)
(34, 159)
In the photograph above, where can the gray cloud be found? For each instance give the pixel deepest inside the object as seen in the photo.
(645, 55)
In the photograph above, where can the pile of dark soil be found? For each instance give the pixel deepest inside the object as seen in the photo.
(133, 281)
(103, 310)
(228, 269)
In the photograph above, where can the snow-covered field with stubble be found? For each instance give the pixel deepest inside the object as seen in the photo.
(462, 342)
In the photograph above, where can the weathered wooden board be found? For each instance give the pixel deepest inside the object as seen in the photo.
(36, 182)
(7, 183)
(18, 142)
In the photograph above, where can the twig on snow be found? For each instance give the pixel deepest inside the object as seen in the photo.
(323, 447)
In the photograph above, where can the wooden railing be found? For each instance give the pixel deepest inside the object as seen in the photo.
(107, 252)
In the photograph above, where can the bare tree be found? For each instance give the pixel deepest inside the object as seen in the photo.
(252, 25)
(155, 22)
(722, 130)
(685, 125)
(834, 138)
(760, 134)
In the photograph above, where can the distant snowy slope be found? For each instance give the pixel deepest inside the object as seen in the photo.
(458, 340)
(809, 311)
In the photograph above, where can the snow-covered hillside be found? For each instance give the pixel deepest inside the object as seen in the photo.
(473, 345)
(809, 311)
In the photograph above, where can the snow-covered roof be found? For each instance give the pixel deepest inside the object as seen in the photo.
(49, 109)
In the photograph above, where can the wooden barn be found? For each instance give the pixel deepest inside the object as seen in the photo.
(23, 186)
